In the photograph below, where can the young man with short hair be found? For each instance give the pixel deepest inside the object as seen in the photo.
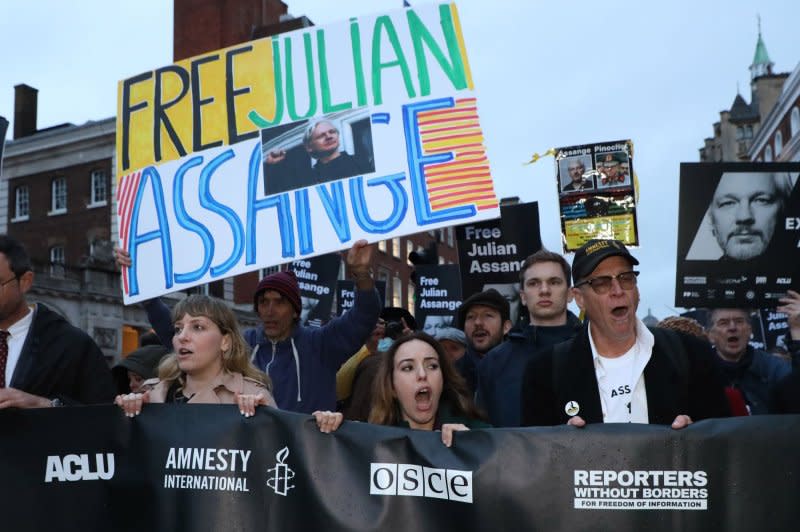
(545, 291)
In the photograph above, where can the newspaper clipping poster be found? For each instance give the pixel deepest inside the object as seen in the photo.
(596, 193)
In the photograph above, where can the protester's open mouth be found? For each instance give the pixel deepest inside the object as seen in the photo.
(619, 312)
(184, 351)
(479, 334)
(423, 399)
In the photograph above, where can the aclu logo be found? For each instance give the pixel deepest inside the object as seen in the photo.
(76, 467)
(417, 481)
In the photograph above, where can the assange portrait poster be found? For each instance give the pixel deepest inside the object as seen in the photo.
(596, 193)
(738, 234)
(297, 145)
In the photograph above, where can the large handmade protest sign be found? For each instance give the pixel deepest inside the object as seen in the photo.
(738, 234)
(205, 467)
(491, 253)
(596, 193)
(296, 145)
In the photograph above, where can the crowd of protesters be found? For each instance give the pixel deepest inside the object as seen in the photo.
(372, 365)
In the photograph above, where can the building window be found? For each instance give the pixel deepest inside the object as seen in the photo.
(778, 143)
(383, 275)
(768, 154)
(99, 189)
(748, 132)
(57, 261)
(22, 203)
(739, 133)
(382, 245)
(409, 249)
(396, 251)
(263, 272)
(397, 292)
(58, 196)
(450, 237)
(794, 122)
(201, 289)
(410, 298)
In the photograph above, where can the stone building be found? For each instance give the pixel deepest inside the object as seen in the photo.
(738, 126)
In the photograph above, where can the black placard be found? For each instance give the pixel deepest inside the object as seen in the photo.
(738, 234)
(490, 253)
(317, 277)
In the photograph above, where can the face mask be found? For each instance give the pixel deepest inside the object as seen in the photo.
(384, 344)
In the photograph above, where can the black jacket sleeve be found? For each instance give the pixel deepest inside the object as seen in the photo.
(707, 397)
(537, 395)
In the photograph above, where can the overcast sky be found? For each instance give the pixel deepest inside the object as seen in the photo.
(547, 74)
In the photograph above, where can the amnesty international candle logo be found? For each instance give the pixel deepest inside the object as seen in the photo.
(281, 474)
(640, 490)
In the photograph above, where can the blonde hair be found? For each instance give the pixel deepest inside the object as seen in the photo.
(385, 406)
(236, 360)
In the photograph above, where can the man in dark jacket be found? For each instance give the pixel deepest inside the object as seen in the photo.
(545, 291)
(616, 370)
(751, 372)
(44, 361)
(485, 319)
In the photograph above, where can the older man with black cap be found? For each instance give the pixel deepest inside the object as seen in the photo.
(485, 319)
(616, 370)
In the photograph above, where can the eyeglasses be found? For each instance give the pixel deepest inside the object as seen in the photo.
(602, 284)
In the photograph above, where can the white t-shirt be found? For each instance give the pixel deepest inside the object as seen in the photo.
(620, 380)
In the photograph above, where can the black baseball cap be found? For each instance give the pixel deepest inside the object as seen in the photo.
(595, 251)
(488, 298)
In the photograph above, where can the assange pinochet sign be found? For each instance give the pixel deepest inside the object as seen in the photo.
(297, 145)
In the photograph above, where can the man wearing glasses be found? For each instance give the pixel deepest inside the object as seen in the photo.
(616, 370)
(44, 361)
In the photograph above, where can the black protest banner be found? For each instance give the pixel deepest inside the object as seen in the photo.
(205, 467)
(596, 193)
(316, 277)
(346, 294)
(738, 234)
(490, 253)
(770, 330)
(438, 295)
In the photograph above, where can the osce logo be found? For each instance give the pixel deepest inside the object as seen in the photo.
(75, 467)
(418, 481)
